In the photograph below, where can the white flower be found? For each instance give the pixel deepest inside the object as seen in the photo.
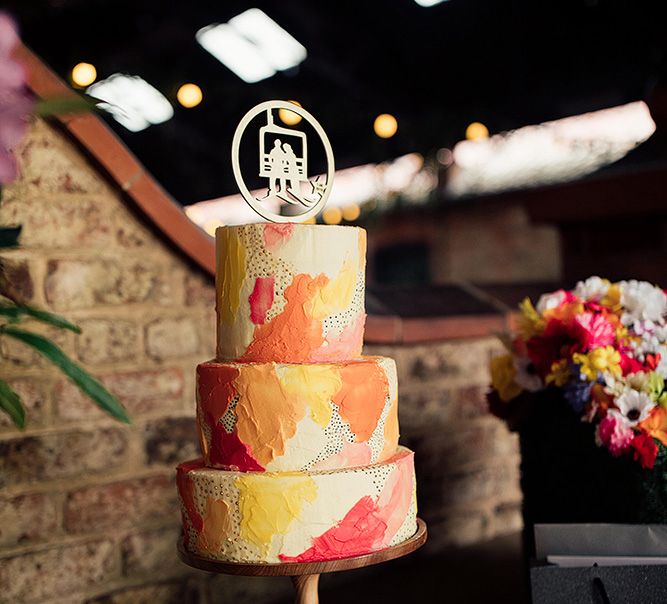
(550, 301)
(526, 376)
(642, 302)
(634, 406)
(594, 288)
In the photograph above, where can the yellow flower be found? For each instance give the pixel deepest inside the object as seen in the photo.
(559, 374)
(529, 321)
(612, 299)
(599, 360)
(503, 373)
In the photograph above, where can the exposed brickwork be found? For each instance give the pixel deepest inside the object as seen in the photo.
(171, 338)
(62, 455)
(88, 509)
(27, 518)
(140, 391)
(171, 441)
(107, 341)
(42, 574)
(121, 505)
(151, 552)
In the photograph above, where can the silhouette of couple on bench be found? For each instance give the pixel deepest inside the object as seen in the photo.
(285, 172)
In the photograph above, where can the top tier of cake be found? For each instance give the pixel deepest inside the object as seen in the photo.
(290, 293)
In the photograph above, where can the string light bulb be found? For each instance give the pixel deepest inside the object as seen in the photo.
(289, 117)
(385, 125)
(476, 131)
(189, 95)
(84, 74)
(332, 216)
(351, 212)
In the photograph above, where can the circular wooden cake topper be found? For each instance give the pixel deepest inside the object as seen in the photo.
(285, 167)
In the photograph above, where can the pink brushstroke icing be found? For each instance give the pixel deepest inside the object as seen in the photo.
(351, 455)
(228, 450)
(368, 526)
(277, 234)
(261, 299)
(344, 345)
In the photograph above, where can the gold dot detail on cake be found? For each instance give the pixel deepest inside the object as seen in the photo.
(283, 163)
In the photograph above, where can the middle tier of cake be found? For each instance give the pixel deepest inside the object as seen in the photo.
(292, 417)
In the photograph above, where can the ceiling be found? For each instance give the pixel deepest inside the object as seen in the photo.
(504, 63)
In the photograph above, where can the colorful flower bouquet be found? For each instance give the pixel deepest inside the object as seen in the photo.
(586, 370)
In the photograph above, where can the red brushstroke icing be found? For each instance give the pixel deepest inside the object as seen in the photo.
(261, 299)
(357, 534)
(228, 450)
(277, 234)
(186, 489)
(368, 526)
(215, 388)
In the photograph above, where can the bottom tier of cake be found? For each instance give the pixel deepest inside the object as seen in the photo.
(276, 517)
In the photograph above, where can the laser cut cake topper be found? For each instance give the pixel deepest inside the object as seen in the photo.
(283, 160)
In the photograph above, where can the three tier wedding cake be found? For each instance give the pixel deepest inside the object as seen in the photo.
(298, 431)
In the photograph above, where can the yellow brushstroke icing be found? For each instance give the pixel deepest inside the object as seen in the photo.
(336, 295)
(269, 503)
(231, 256)
(313, 386)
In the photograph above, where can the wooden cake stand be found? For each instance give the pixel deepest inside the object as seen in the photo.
(306, 575)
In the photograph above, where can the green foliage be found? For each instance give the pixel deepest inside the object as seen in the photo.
(79, 376)
(10, 403)
(15, 313)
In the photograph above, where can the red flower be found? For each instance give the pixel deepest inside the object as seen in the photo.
(560, 340)
(652, 361)
(645, 450)
(630, 365)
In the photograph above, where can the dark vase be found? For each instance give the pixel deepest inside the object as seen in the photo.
(567, 478)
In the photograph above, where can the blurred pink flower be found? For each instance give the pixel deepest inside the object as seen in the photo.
(15, 101)
(615, 433)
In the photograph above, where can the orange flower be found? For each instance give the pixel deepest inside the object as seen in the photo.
(656, 424)
(565, 312)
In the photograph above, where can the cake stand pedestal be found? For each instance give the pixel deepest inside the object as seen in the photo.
(306, 575)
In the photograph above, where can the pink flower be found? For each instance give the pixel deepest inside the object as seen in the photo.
(15, 102)
(597, 331)
(615, 433)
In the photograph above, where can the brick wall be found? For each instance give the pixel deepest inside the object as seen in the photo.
(467, 462)
(88, 509)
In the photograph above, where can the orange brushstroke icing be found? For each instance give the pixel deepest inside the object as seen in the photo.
(277, 234)
(267, 416)
(362, 397)
(293, 334)
(217, 525)
(185, 484)
(390, 431)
